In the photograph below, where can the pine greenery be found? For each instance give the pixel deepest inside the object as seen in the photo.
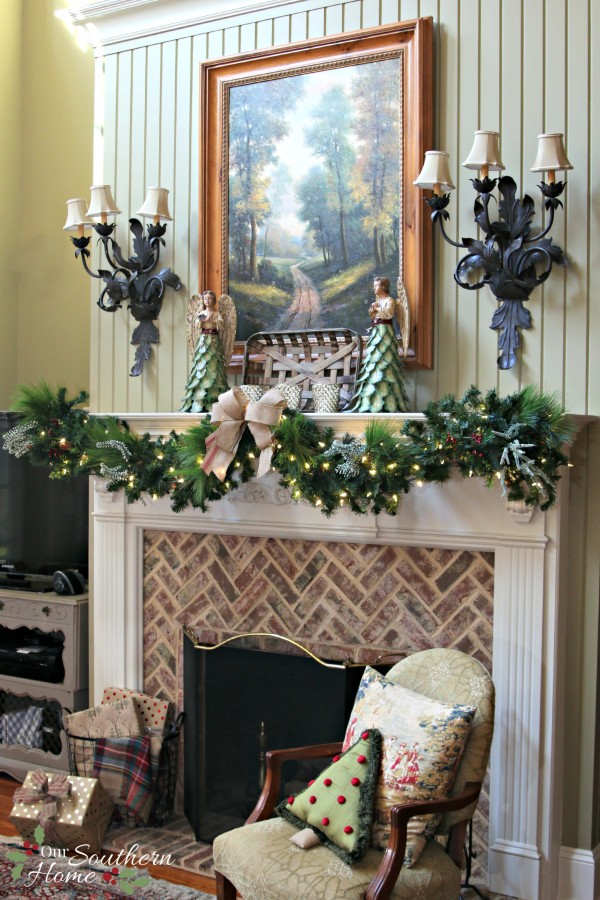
(516, 440)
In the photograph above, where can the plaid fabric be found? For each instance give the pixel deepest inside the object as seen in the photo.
(22, 727)
(124, 768)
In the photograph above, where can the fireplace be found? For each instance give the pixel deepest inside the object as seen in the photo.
(242, 700)
(529, 614)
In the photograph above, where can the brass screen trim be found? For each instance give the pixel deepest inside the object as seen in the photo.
(347, 664)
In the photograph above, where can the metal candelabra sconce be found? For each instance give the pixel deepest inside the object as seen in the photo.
(513, 260)
(134, 278)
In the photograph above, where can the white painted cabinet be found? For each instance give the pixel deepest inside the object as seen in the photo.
(43, 663)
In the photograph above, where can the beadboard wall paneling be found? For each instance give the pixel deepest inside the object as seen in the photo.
(522, 66)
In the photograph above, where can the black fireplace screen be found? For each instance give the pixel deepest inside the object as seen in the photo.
(239, 703)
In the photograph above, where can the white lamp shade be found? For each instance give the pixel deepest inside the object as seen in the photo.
(435, 171)
(101, 201)
(485, 152)
(156, 204)
(76, 215)
(551, 155)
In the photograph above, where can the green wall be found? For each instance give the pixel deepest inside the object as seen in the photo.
(46, 99)
(10, 167)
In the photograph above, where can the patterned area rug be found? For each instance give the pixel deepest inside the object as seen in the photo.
(177, 839)
(27, 873)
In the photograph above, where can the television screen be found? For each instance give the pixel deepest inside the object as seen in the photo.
(43, 522)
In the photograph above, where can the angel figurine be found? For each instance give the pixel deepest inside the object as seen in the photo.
(211, 325)
(380, 386)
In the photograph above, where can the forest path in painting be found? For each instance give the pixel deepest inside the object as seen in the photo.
(305, 311)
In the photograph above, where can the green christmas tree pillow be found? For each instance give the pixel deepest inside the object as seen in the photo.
(338, 804)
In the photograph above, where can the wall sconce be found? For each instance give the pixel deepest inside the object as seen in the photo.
(132, 278)
(513, 260)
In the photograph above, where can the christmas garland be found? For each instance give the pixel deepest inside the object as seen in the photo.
(516, 439)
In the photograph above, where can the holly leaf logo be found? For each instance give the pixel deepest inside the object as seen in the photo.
(16, 856)
(16, 872)
(39, 835)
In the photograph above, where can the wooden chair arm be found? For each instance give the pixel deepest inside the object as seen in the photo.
(389, 868)
(275, 759)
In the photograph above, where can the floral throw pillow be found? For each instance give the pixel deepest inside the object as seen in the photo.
(422, 743)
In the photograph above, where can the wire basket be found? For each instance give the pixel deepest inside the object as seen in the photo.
(81, 753)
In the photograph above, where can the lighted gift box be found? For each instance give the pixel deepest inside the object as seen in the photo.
(73, 816)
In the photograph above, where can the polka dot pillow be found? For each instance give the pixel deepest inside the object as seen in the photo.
(338, 805)
(422, 744)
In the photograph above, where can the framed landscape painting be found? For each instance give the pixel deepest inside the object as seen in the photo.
(308, 154)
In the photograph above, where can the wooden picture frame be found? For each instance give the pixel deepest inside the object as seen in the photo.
(407, 47)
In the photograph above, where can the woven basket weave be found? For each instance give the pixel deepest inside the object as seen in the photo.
(327, 356)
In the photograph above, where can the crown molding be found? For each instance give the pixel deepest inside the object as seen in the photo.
(106, 23)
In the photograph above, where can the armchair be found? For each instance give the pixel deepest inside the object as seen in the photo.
(259, 860)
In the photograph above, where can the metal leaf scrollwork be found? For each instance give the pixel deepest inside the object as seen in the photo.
(133, 279)
(510, 260)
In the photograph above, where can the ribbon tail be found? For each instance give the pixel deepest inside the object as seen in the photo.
(264, 462)
(46, 818)
(218, 460)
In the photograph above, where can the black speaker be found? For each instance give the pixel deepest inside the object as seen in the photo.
(68, 581)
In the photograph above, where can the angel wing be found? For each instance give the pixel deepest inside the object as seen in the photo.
(228, 326)
(193, 321)
(403, 315)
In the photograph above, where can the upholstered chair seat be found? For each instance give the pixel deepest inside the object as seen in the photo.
(264, 865)
(261, 862)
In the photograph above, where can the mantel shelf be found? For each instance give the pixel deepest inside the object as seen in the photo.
(156, 424)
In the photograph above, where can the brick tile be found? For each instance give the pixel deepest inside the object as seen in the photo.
(384, 591)
(167, 553)
(310, 571)
(221, 579)
(380, 566)
(454, 599)
(278, 551)
(348, 557)
(351, 590)
(454, 571)
(423, 560)
(415, 583)
(250, 570)
(279, 583)
(421, 614)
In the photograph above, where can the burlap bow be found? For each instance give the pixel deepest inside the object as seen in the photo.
(233, 412)
(49, 793)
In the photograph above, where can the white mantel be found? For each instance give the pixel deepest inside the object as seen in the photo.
(529, 622)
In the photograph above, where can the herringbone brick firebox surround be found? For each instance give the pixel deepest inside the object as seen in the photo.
(340, 600)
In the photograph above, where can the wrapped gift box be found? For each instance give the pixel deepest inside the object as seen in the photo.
(82, 817)
(156, 714)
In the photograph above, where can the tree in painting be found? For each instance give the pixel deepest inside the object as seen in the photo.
(376, 176)
(330, 140)
(314, 181)
(256, 125)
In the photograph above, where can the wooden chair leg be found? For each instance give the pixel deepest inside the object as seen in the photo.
(225, 889)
